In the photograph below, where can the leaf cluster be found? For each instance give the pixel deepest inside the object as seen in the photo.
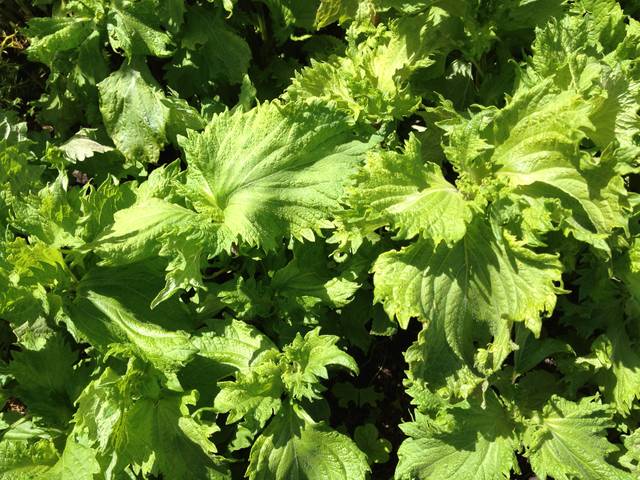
(215, 215)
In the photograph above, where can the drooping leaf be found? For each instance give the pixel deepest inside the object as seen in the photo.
(108, 312)
(138, 116)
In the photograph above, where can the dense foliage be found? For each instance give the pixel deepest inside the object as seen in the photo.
(320, 239)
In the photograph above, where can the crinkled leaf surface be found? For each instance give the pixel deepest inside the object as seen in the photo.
(167, 439)
(540, 157)
(208, 207)
(410, 195)
(570, 441)
(293, 446)
(288, 182)
(479, 443)
(306, 360)
(482, 282)
(22, 460)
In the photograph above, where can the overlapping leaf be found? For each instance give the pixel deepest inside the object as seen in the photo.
(164, 276)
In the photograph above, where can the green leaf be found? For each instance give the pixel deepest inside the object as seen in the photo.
(50, 36)
(254, 394)
(412, 196)
(24, 460)
(134, 421)
(305, 361)
(211, 52)
(606, 22)
(134, 29)
(436, 374)
(537, 140)
(370, 82)
(631, 458)
(568, 441)
(555, 47)
(471, 289)
(163, 348)
(291, 13)
(287, 183)
(376, 449)
(29, 275)
(331, 11)
(71, 44)
(209, 365)
(477, 441)
(618, 366)
(136, 230)
(294, 447)
(83, 145)
(107, 312)
(247, 299)
(531, 351)
(77, 461)
(138, 116)
(308, 279)
(51, 216)
(169, 441)
(99, 205)
(153, 227)
(100, 409)
(133, 113)
(48, 380)
(17, 178)
(233, 343)
(12, 131)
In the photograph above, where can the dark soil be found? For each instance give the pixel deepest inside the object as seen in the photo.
(15, 406)
(383, 369)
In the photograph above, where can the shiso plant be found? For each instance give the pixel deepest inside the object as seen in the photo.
(320, 239)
